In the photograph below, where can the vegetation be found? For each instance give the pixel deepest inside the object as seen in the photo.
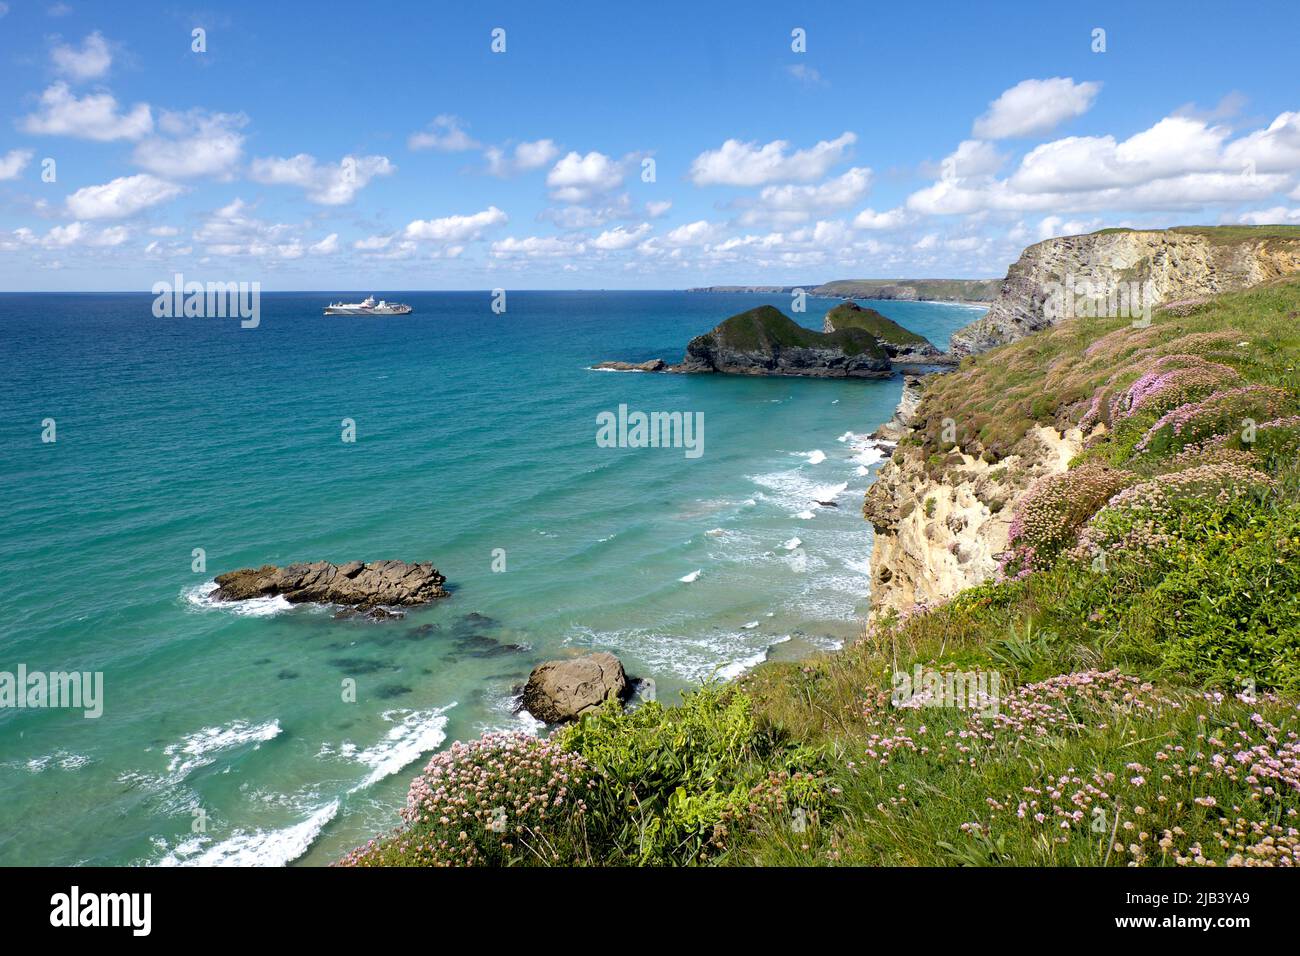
(766, 327)
(1138, 666)
(850, 315)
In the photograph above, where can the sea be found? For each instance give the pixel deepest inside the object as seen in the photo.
(143, 456)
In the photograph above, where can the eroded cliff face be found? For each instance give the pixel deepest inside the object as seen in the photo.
(1176, 264)
(937, 535)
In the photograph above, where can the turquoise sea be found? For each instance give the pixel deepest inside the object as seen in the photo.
(225, 737)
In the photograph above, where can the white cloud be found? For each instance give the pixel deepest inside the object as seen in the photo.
(694, 233)
(579, 179)
(450, 229)
(326, 247)
(656, 208)
(807, 75)
(1052, 226)
(794, 204)
(325, 183)
(196, 144)
(14, 162)
(1267, 217)
(74, 234)
(1178, 163)
(536, 247)
(233, 231)
(1035, 106)
(621, 237)
(88, 63)
(445, 134)
(124, 196)
(972, 157)
(524, 158)
(748, 164)
(164, 232)
(93, 116)
(890, 219)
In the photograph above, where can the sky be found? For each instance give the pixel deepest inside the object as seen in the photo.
(424, 145)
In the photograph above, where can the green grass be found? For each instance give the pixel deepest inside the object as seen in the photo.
(850, 315)
(766, 327)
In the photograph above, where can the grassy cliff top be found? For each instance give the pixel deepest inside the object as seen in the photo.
(1045, 378)
(1221, 235)
(850, 315)
(766, 327)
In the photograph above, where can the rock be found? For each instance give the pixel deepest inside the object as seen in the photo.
(564, 690)
(365, 587)
(654, 365)
(765, 341)
(1184, 263)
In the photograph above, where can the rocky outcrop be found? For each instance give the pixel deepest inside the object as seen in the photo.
(558, 691)
(936, 535)
(904, 412)
(365, 587)
(1173, 264)
(765, 341)
(654, 365)
(911, 290)
(907, 351)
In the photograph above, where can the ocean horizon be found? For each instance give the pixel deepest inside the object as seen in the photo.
(475, 449)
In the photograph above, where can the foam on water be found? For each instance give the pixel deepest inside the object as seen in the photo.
(692, 577)
(414, 732)
(200, 596)
(254, 847)
(201, 748)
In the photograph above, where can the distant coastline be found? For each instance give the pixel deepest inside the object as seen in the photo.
(967, 291)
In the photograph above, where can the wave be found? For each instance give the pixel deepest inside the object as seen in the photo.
(792, 544)
(200, 596)
(692, 577)
(414, 732)
(200, 748)
(815, 457)
(254, 847)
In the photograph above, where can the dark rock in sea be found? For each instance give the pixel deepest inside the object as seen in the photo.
(389, 691)
(564, 690)
(654, 365)
(287, 675)
(377, 613)
(828, 504)
(765, 341)
(366, 587)
(357, 666)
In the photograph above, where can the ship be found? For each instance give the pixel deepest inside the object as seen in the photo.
(368, 306)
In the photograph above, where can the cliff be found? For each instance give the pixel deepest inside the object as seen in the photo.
(925, 290)
(1176, 264)
(973, 443)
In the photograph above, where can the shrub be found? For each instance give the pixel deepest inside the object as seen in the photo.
(1052, 511)
(501, 800)
(1222, 412)
(667, 775)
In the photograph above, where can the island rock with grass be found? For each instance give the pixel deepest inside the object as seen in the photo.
(765, 341)
(907, 351)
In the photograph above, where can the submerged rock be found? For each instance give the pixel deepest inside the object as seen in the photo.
(365, 587)
(564, 690)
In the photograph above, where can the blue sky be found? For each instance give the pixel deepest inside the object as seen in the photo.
(386, 146)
